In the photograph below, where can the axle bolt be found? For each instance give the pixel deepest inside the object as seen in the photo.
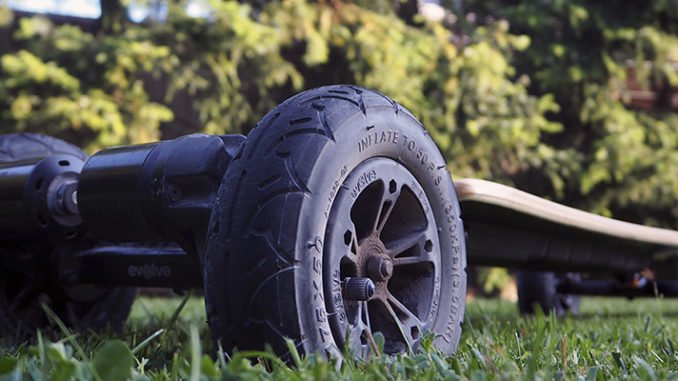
(358, 288)
(379, 268)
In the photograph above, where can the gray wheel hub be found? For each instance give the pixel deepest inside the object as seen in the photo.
(381, 232)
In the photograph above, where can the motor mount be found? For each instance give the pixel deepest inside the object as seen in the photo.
(155, 192)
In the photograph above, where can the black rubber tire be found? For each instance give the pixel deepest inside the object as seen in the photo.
(110, 309)
(263, 273)
(538, 290)
(26, 145)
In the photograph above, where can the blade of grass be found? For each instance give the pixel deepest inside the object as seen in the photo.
(195, 353)
(175, 315)
(146, 341)
(71, 339)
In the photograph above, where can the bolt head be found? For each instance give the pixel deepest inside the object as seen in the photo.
(379, 268)
(386, 268)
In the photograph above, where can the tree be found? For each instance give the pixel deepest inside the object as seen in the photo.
(529, 95)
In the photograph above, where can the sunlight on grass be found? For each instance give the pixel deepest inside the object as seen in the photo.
(149, 308)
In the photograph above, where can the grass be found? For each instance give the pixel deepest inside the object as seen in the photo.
(612, 339)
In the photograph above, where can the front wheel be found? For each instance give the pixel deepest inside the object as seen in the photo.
(339, 220)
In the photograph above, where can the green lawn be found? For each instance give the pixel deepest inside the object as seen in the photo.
(613, 338)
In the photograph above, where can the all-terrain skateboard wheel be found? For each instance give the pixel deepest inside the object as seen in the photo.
(27, 269)
(338, 220)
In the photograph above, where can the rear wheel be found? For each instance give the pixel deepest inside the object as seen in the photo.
(24, 146)
(538, 290)
(28, 270)
(340, 221)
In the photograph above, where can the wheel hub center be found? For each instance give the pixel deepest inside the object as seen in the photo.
(379, 268)
(377, 264)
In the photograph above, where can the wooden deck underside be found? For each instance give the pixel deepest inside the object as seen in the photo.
(509, 227)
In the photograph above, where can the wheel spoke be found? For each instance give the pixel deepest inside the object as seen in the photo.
(347, 248)
(416, 260)
(402, 244)
(388, 201)
(353, 339)
(353, 246)
(361, 332)
(399, 324)
(414, 319)
(368, 332)
(402, 329)
(365, 316)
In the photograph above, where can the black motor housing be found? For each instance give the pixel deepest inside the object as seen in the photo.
(155, 192)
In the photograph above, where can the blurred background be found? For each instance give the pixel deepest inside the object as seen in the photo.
(572, 100)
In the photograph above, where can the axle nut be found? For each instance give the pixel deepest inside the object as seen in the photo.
(379, 268)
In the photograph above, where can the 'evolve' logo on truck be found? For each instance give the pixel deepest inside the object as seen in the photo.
(149, 271)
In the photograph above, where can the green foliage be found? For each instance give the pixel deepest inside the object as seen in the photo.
(589, 54)
(236, 66)
(113, 361)
(535, 95)
(64, 80)
(227, 66)
(493, 279)
(482, 118)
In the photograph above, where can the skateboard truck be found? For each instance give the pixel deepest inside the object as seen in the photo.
(151, 194)
(160, 192)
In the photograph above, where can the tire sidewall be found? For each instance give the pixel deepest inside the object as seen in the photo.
(379, 132)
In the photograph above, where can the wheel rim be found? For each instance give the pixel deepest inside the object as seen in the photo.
(381, 227)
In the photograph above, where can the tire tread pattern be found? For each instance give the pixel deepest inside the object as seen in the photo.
(255, 312)
(28, 145)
